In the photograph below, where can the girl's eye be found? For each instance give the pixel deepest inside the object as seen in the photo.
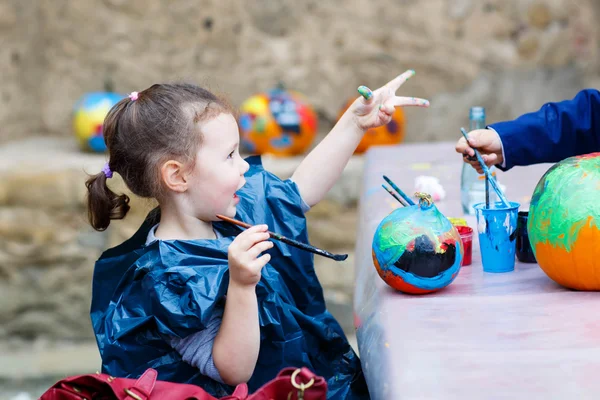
(231, 154)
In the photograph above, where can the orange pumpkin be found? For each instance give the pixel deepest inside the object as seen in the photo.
(279, 122)
(389, 134)
(564, 222)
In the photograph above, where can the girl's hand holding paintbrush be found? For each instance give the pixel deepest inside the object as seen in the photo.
(291, 242)
(244, 255)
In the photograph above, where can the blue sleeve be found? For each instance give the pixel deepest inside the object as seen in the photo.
(555, 132)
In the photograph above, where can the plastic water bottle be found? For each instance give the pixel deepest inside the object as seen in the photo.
(472, 184)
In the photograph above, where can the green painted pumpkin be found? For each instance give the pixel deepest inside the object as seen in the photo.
(563, 222)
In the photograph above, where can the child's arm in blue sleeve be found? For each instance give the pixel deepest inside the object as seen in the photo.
(555, 132)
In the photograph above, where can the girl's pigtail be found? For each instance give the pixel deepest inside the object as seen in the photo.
(103, 203)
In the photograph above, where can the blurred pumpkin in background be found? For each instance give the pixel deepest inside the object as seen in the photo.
(88, 118)
(280, 122)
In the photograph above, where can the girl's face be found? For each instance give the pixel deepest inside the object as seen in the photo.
(219, 170)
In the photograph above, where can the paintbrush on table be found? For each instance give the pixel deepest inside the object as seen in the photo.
(291, 242)
(400, 192)
(394, 195)
(486, 171)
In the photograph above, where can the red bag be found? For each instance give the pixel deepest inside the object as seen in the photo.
(290, 384)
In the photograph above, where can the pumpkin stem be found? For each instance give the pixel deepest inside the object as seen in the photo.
(425, 199)
(109, 85)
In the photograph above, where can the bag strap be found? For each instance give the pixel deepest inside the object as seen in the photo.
(143, 387)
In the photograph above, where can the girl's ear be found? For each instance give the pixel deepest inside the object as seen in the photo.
(173, 175)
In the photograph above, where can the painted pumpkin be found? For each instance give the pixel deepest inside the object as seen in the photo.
(88, 117)
(416, 249)
(390, 134)
(563, 222)
(279, 122)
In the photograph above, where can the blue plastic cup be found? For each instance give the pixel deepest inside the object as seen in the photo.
(497, 228)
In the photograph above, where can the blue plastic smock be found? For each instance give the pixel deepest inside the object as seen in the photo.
(143, 295)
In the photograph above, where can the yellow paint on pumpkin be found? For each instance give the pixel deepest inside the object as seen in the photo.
(256, 105)
(578, 269)
(85, 122)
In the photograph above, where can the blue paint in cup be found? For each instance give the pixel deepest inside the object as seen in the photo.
(497, 228)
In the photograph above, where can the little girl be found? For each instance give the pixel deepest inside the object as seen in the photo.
(199, 300)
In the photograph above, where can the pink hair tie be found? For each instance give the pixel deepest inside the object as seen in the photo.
(133, 96)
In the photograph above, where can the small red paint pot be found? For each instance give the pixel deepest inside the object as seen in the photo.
(466, 235)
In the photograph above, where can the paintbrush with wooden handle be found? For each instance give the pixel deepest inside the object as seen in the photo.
(291, 242)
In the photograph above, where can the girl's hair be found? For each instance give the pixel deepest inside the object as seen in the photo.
(141, 133)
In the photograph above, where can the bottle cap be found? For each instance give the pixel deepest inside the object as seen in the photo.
(477, 113)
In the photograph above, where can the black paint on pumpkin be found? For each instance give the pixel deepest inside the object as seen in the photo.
(424, 261)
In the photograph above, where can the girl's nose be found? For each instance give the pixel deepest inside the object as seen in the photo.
(245, 166)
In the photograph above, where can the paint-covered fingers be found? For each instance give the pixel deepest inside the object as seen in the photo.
(488, 159)
(410, 101)
(398, 81)
(469, 158)
(473, 162)
(389, 106)
(392, 86)
(366, 93)
(463, 147)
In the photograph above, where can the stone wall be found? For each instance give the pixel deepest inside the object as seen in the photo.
(508, 55)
